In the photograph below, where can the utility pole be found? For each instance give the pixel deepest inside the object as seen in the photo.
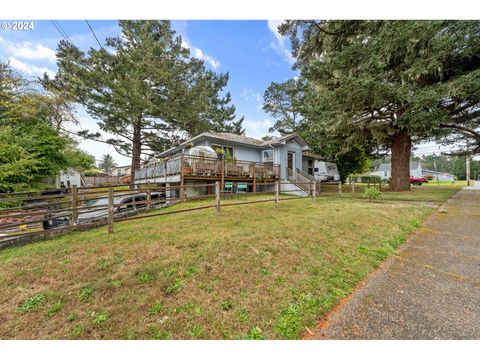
(468, 171)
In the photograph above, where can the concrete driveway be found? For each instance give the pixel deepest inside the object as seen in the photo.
(429, 290)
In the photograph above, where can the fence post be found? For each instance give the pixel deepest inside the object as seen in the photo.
(380, 185)
(217, 196)
(73, 220)
(314, 190)
(276, 194)
(254, 177)
(339, 188)
(110, 209)
(149, 196)
(353, 185)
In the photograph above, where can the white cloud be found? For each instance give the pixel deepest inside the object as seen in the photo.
(248, 94)
(279, 44)
(30, 69)
(29, 51)
(257, 128)
(199, 54)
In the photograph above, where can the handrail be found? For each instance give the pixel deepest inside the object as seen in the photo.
(194, 165)
(306, 175)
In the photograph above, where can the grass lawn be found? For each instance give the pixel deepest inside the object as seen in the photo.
(251, 272)
(427, 192)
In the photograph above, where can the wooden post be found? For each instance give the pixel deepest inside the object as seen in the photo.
(217, 196)
(182, 181)
(276, 193)
(222, 168)
(339, 188)
(353, 185)
(254, 177)
(73, 220)
(380, 185)
(149, 196)
(110, 209)
(314, 191)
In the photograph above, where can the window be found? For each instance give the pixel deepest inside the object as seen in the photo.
(267, 155)
(227, 149)
(385, 173)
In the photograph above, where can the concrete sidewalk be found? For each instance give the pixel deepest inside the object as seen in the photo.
(429, 290)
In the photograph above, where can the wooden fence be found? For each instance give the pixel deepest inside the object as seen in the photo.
(25, 217)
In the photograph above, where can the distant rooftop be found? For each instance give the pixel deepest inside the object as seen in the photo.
(388, 166)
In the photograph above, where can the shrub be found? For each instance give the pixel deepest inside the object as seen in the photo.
(372, 193)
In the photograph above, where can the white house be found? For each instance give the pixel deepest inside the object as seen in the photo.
(122, 171)
(436, 175)
(69, 177)
(385, 170)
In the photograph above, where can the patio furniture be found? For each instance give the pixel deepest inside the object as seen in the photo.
(228, 189)
(242, 188)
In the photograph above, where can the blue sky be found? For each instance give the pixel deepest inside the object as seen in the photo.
(252, 52)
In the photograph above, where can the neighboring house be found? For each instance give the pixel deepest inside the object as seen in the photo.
(122, 171)
(251, 161)
(70, 177)
(384, 171)
(436, 175)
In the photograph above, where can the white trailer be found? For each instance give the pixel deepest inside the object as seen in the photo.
(326, 171)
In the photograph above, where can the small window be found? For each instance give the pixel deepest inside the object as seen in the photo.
(227, 149)
(267, 155)
(316, 170)
(385, 173)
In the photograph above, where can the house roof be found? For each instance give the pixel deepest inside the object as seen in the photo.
(436, 172)
(388, 166)
(312, 155)
(239, 139)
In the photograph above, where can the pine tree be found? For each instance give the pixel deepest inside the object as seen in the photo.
(107, 163)
(144, 88)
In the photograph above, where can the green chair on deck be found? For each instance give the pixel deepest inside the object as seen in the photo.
(242, 188)
(228, 188)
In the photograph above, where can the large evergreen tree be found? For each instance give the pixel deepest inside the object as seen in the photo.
(390, 83)
(145, 89)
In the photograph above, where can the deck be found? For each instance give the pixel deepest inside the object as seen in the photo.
(188, 167)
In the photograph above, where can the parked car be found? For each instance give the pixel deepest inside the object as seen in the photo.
(418, 181)
(88, 215)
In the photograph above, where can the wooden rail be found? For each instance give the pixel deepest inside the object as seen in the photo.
(191, 166)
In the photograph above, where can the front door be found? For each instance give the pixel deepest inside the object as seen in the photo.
(291, 160)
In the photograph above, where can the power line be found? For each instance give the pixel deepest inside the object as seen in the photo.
(61, 31)
(93, 32)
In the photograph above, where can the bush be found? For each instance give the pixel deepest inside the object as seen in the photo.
(372, 193)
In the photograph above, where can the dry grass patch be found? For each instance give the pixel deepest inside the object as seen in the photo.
(251, 273)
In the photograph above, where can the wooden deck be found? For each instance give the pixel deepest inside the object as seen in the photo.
(188, 167)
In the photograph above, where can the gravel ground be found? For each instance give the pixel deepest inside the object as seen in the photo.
(429, 290)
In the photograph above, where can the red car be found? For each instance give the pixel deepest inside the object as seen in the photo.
(418, 181)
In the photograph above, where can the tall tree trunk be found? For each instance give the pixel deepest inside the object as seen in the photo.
(136, 152)
(401, 148)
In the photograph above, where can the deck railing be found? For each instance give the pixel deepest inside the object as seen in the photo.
(200, 166)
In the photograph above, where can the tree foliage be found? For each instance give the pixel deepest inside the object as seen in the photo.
(390, 83)
(283, 102)
(30, 148)
(145, 89)
(107, 163)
